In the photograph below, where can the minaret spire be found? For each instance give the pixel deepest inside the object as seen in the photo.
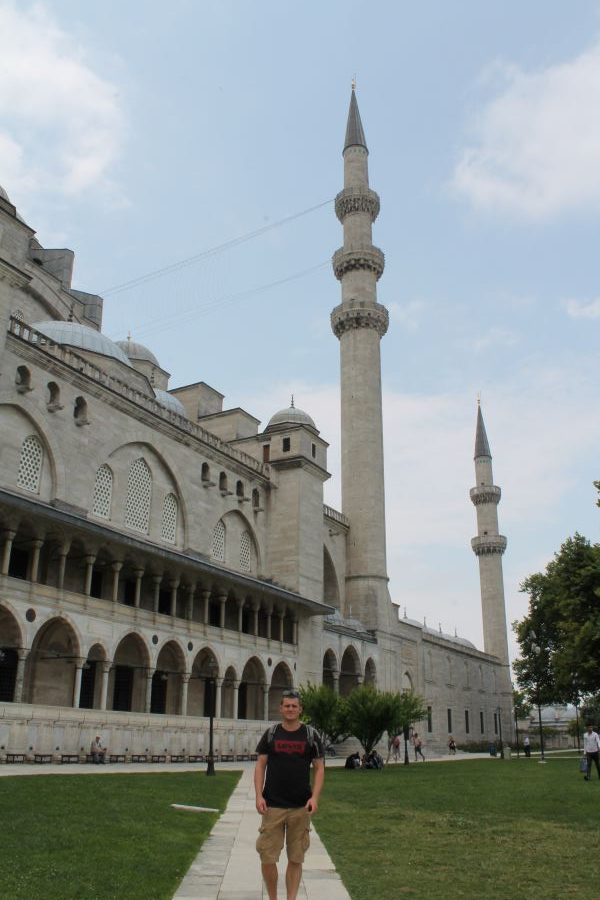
(360, 322)
(489, 546)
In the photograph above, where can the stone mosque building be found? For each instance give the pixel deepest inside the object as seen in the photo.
(156, 547)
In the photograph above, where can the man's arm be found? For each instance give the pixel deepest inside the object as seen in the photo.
(259, 782)
(319, 766)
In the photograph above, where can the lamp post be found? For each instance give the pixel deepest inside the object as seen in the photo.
(211, 684)
(406, 733)
(516, 730)
(536, 649)
(500, 733)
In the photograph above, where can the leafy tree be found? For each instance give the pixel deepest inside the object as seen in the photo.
(597, 486)
(367, 714)
(324, 710)
(405, 709)
(590, 711)
(560, 636)
(521, 706)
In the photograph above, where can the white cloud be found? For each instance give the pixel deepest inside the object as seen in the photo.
(536, 144)
(408, 314)
(495, 337)
(62, 127)
(579, 309)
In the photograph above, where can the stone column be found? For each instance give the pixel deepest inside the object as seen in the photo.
(138, 587)
(116, 568)
(174, 586)
(222, 602)
(236, 693)
(89, 561)
(240, 605)
(218, 698)
(185, 680)
(62, 565)
(295, 632)
(36, 546)
(79, 664)
(205, 605)
(336, 682)
(149, 676)
(106, 666)
(20, 676)
(9, 537)
(269, 620)
(255, 609)
(156, 581)
(265, 702)
(280, 615)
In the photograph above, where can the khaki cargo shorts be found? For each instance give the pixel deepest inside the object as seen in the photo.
(277, 825)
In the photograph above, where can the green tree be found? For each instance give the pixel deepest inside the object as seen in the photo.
(367, 714)
(324, 710)
(590, 711)
(560, 636)
(405, 709)
(521, 705)
(597, 486)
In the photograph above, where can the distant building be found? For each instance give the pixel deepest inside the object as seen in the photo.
(152, 541)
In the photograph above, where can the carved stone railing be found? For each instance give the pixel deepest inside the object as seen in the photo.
(82, 366)
(332, 513)
(488, 544)
(485, 493)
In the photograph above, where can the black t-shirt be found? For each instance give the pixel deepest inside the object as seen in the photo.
(287, 782)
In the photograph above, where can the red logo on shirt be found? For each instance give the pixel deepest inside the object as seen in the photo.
(289, 746)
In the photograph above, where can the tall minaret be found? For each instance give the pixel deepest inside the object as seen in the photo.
(360, 322)
(489, 546)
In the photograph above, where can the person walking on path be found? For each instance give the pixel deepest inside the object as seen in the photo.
(284, 797)
(527, 746)
(418, 745)
(591, 748)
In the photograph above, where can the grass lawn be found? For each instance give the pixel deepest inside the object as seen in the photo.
(103, 837)
(474, 828)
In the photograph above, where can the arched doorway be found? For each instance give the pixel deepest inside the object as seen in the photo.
(370, 673)
(91, 678)
(10, 642)
(251, 691)
(281, 680)
(204, 669)
(129, 675)
(349, 671)
(330, 669)
(166, 681)
(54, 652)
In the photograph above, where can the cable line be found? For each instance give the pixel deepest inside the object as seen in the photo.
(212, 251)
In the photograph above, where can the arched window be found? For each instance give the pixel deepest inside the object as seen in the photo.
(23, 379)
(255, 499)
(218, 543)
(245, 551)
(223, 481)
(102, 498)
(80, 411)
(239, 490)
(139, 496)
(205, 472)
(168, 530)
(30, 464)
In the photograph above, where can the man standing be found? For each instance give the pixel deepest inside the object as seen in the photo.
(591, 747)
(283, 793)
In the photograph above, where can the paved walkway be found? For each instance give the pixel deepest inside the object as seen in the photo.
(228, 867)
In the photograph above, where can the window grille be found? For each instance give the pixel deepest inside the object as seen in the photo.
(168, 530)
(30, 464)
(218, 544)
(139, 495)
(102, 498)
(245, 551)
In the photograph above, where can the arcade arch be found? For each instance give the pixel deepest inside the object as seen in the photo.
(350, 674)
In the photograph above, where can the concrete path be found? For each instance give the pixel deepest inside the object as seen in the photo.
(228, 867)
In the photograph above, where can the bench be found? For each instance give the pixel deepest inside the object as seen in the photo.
(177, 759)
(42, 757)
(16, 758)
(196, 758)
(115, 758)
(157, 758)
(69, 757)
(243, 757)
(139, 758)
(225, 757)
(253, 757)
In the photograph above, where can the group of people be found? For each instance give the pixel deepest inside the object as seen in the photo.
(371, 760)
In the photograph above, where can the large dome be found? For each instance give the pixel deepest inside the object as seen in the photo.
(137, 351)
(72, 334)
(291, 416)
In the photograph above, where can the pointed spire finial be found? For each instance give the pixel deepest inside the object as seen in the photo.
(482, 447)
(292, 403)
(354, 82)
(355, 135)
(478, 398)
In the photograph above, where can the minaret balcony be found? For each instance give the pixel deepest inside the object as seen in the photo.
(485, 493)
(488, 544)
(358, 314)
(356, 200)
(370, 259)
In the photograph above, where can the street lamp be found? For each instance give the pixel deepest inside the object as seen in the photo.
(516, 730)
(536, 649)
(406, 733)
(500, 731)
(212, 686)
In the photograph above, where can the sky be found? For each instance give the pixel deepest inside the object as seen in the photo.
(202, 141)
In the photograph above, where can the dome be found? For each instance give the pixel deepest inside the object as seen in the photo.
(133, 350)
(81, 338)
(291, 416)
(170, 402)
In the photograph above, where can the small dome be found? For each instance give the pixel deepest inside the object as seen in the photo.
(72, 334)
(170, 402)
(137, 351)
(291, 416)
